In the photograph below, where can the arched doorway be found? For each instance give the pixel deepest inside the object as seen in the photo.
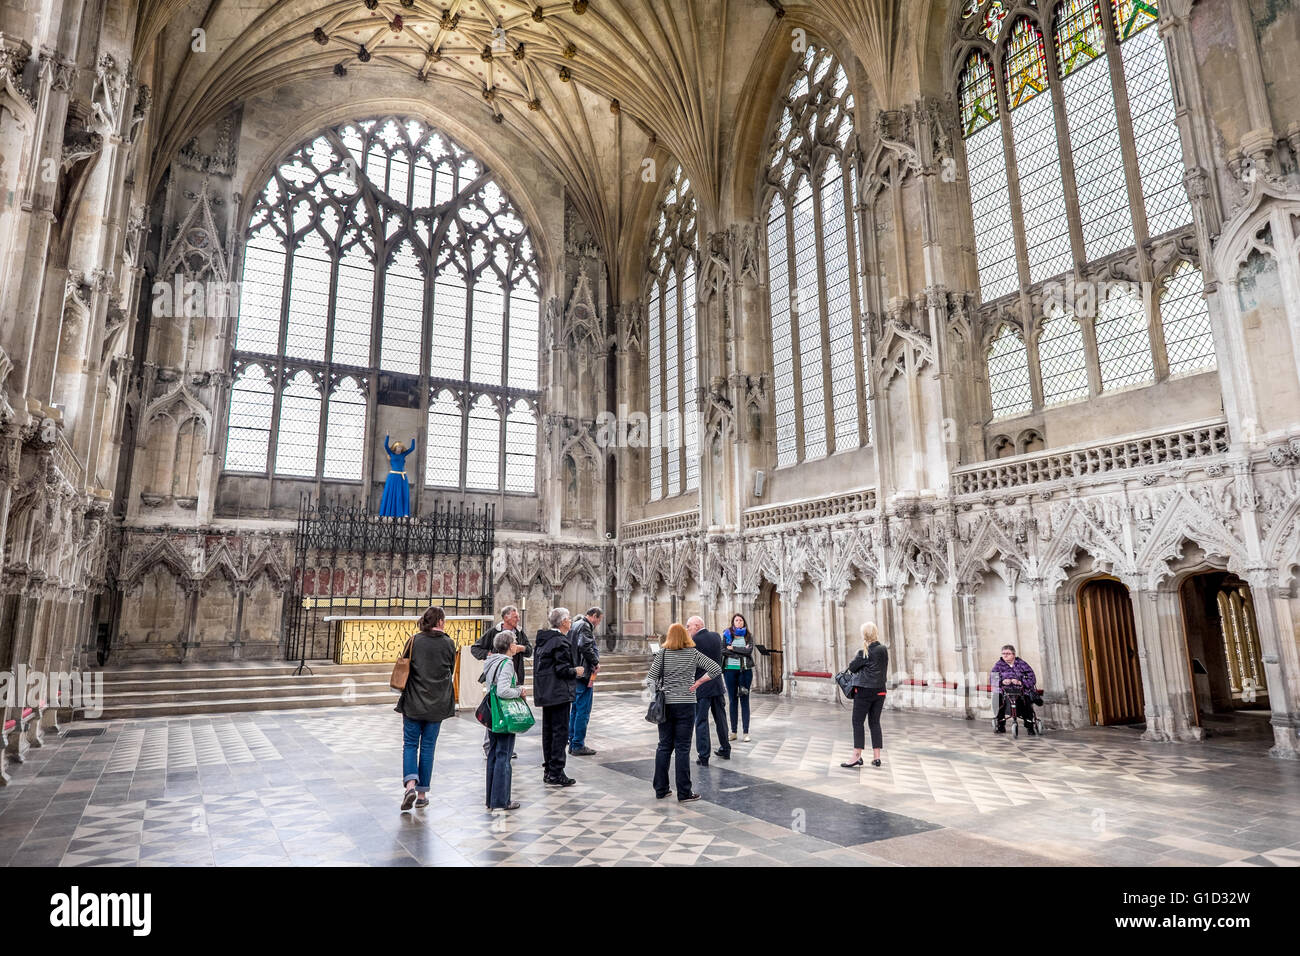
(1110, 657)
(1223, 649)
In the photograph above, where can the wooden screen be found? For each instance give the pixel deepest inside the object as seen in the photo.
(1110, 653)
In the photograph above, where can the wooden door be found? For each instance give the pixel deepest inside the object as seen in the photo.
(776, 660)
(1110, 653)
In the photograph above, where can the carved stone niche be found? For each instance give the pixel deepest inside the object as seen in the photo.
(189, 503)
(151, 500)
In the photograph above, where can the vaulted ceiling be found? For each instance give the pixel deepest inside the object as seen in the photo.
(593, 86)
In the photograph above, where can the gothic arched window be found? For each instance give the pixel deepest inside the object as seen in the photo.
(812, 254)
(1073, 155)
(674, 429)
(383, 247)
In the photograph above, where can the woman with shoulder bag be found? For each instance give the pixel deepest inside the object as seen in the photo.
(499, 675)
(869, 669)
(426, 701)
(674, 668)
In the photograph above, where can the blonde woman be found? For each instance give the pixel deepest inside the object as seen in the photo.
(869, 668)
(675, 667)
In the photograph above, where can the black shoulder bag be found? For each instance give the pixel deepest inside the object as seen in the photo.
(657, 712)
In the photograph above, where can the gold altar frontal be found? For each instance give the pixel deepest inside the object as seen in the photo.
(376, 639)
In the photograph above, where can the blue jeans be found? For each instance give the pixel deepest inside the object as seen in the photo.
(738, 689)
(498, 770)
(418, 736)
(579, 715)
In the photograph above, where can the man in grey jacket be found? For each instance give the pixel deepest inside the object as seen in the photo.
(586, 654)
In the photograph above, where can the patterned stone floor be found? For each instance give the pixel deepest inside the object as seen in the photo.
(321, 787)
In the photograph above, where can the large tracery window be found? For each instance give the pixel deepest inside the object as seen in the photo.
(382, 246)
(812, 255)
(674, 431)
(1073, 155)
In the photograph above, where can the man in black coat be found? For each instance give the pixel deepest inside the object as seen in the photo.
(483, 647)
(582, 638)
(554, 674)
(711, 697)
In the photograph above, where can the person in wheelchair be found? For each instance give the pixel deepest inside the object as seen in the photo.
(1013, 675)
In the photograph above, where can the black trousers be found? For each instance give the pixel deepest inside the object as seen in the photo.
(704, 707)
(675, 738)
(555, 738)
(867, 705)
(1024, 711)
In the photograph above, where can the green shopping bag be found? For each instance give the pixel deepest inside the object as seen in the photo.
(512, 715)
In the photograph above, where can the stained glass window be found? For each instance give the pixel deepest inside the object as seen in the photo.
(345, 431)
(1033, 131)
(1104, 212)
(340, 282)
(1185, 318)
(808, 323)
(839, 308)
(1009, 374)
(672, 353)
(995, 239)
(1062, 360)
(1123, 340)
(782, 357)
(1155, 126)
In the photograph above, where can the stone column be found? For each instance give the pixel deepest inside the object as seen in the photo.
(1281, 669)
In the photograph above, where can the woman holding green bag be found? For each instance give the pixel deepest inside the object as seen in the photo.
(507, 718)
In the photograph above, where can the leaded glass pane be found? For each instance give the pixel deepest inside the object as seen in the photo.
(1134, 16)
(443, 451)
(399, 349)
(352, 308)
(521, 371)
(808, 316)
(690, 414)
(979, 96)
(672, 390)
(1009, 375)
(1062, 361)
(486, 333)
(299, 435)
(345, 431)
(447, 348)
(839, 309)
(995, 239)
(1155, 130)
(1104, 211)
(521, 448)
(261, 292)
(1026, 64)
(1042, 192)
(1123, 341)
(778, 282)
(483, 446)
(248, 437)
(656, 376)
(1185, 318)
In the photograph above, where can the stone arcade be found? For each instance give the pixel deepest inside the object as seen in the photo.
(978, 318)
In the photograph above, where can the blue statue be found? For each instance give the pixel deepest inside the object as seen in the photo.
(396, 502)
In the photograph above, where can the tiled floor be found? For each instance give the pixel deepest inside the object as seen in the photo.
(322, 787)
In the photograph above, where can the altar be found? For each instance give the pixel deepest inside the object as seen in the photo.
(380, 639)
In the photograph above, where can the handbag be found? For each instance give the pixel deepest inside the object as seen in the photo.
(512, 715)
(402, 669)
(845, 679)
(657, 712)
(483, 712)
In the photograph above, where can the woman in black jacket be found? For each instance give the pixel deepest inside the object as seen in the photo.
(426, 702)
(869, 669)
(554, 674)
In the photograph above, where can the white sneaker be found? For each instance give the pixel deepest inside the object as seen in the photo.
(746, 738)
(733, 736)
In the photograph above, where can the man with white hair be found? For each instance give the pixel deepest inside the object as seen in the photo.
(711, 697)
(554, 675)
